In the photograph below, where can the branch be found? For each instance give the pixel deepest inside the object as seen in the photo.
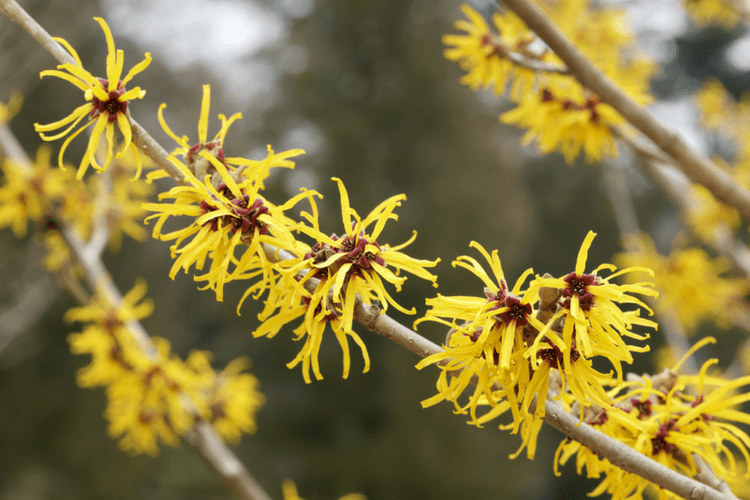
(679, 190)
(619, 454)
(202, 437)
(212, 448)
(661, 169)
(697, 167)
(522, 60)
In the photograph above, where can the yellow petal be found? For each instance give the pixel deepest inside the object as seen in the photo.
(137, 68)
(127, 133)
(205, 107)
(75, 117)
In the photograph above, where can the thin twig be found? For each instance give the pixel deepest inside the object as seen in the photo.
(523, 60)
(662, 170)
(697, 167)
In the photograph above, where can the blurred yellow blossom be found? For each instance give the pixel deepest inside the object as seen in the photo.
(707, 214)
(689, 281)
(480, 52)
(554, 108)
(289, 492)
(722, 12)
(30, 192)
(152, 395)
(8, 111)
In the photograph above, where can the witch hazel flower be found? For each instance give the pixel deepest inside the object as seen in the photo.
(196, 156)
(107, 103)
(336, 274)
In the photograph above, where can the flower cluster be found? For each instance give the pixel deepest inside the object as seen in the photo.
(326, 283)
(31, 192)
(107, 103)
(557, 111)
(684, 422)
(517, 344)
(721, 113)
(690, 283)
(153, 395)
(50, 198)
(726, 14)
(245, 237)
(227, 214)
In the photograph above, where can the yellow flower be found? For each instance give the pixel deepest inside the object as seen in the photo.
(689, 281)
(289, 491)
(356, 263)
(714, 102)
(107, 104)
(153, 395)
(287, 302)
(670, 418)
(704, 12)
(194, 158)
(557, 111)
(480, 52)
(510, 351)
(111, 346)
(565, 117)
(29, 191)
(231, 396)
(721, 113)
(332, 276)
(223, 217)
(708, 214)
(8, 111)
(488, 341)
(593, 323)
(58, 254)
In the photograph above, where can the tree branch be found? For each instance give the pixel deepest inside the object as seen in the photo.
(212, 448)
(202, 437)
(616, 452)
(697, 167)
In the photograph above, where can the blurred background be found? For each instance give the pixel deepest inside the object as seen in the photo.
(363, 87)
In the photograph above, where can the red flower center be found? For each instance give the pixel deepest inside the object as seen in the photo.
(516, 311)
(355, 253)
(579, 285)
(554, 356)
(110, 106)
(244, 218)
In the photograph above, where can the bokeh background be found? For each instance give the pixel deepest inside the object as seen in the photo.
(363, 87)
